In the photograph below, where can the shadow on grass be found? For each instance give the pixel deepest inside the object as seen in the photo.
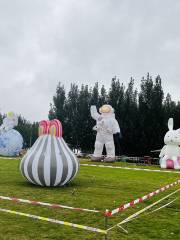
(34, 186)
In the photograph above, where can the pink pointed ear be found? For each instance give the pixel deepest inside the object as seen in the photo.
(55, 128)
(44, 127)
(170, 124)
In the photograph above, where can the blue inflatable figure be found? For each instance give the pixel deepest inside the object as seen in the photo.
(11, 141)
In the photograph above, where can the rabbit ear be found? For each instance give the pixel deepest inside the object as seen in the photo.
(170, 123)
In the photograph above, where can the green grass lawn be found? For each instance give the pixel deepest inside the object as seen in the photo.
(93, 187)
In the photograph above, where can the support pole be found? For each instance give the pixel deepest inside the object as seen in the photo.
(106, 224)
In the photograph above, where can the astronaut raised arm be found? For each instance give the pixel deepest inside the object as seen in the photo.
(94, 114)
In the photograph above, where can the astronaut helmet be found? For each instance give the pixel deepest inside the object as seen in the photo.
(106, 109)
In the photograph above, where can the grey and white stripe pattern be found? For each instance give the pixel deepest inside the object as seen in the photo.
(49, 162)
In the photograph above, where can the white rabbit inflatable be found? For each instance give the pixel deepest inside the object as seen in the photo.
(106, 126)
(170, 153)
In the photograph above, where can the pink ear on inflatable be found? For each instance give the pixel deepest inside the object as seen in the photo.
(55, 128)
(44, 127)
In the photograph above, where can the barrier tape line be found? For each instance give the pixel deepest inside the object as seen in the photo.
(135, 215)
(148, 207)
(128, 168)
(55, 221)
(141, 199)
(18, 200)
(165, 205)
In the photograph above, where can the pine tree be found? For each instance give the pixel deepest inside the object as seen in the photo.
(169, 107)
(94, 100)
(1, 118)
(71, 121)
(116, 97)
(151, 114)
(57, 109)
(28, 131)
(103, 98)
(177, 116)
(52, 114)
(84, 122)
(157, 114)
(130, 119)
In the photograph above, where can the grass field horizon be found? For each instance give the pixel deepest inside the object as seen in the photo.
(92, 188)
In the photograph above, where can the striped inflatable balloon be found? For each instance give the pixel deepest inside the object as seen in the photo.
(49, 162)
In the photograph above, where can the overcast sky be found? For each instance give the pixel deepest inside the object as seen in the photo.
(43, 42)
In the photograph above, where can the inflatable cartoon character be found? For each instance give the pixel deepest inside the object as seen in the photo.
(11, 141)
(170, 153)
(106, 126)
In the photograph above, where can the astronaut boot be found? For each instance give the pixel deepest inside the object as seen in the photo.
(110, 150)
(96, 159)
(109, 159)
(97, 156)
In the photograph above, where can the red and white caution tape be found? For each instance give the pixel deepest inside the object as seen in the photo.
(55, 221)
(141, 199)
(135, 215)
(128, 168)
(18, 200)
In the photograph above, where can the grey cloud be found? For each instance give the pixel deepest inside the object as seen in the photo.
(83, 41)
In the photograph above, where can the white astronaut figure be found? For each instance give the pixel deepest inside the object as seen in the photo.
(9, 122)
(106, 126)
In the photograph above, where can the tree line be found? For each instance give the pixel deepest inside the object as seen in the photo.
(142, 114)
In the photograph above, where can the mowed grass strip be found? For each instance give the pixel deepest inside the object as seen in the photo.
(93, 188)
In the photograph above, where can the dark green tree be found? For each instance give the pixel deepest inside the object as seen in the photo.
(150, 114)
(103, 98)
(130, 119)
(57, 109)
(142, 116)
(94, 95)
(177, 116)
(29, 131)
(71, 121)
(84, 122)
